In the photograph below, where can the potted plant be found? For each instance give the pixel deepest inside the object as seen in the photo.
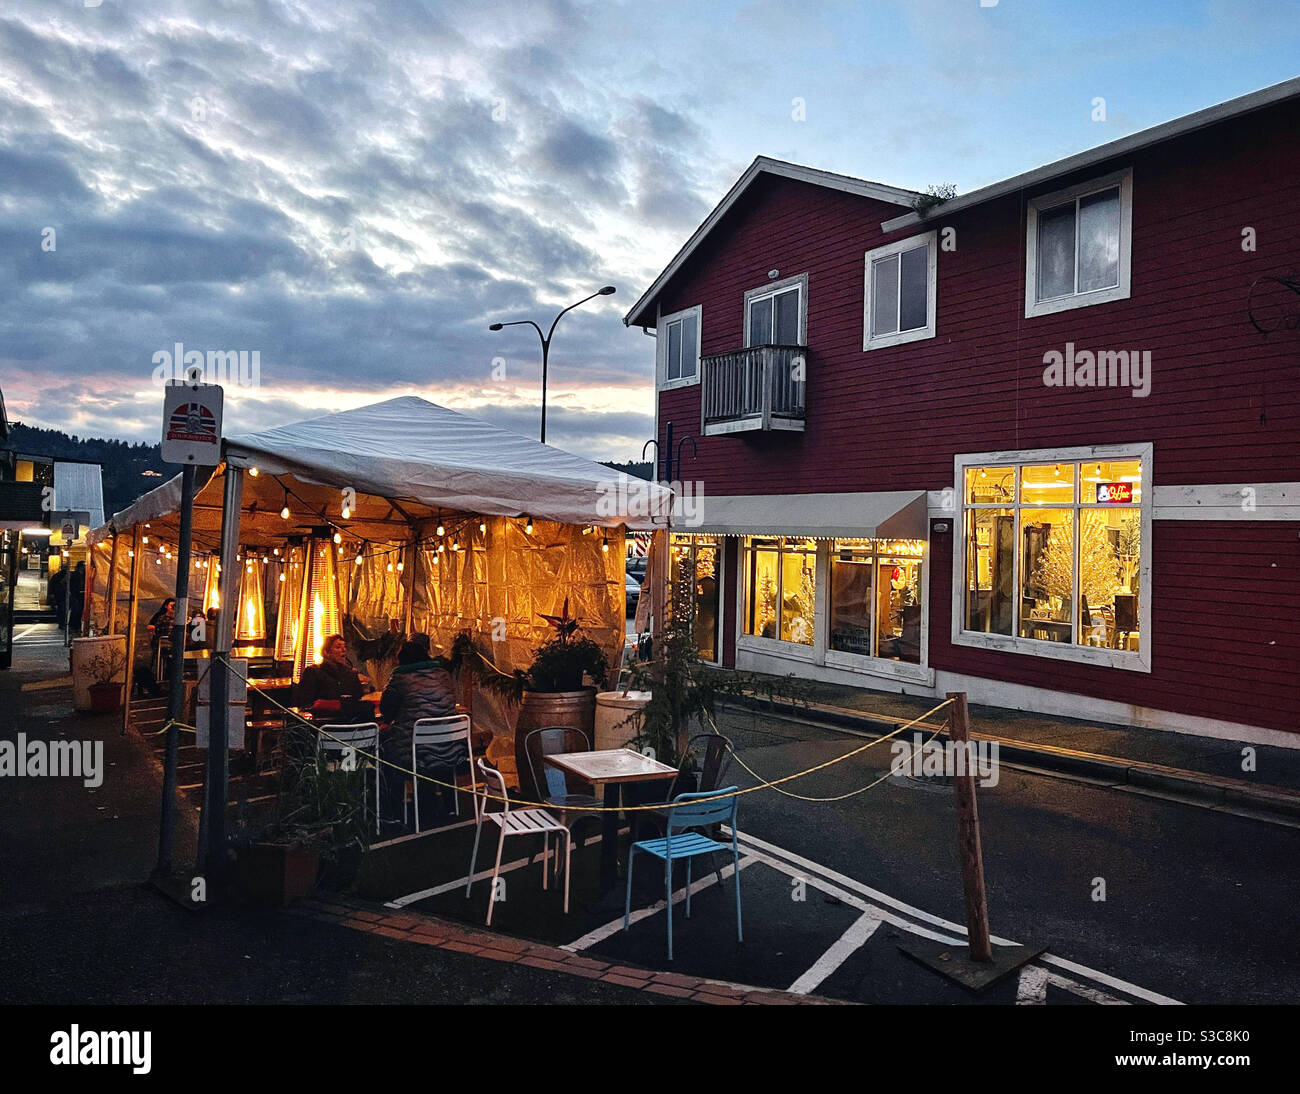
(553, 690)
(684, 689)
(105, 687)
(318, 833)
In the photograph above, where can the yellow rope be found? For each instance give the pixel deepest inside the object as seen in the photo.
(655, 807)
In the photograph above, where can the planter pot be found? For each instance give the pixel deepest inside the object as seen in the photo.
(105, 698)
(542, 709)
(84, 650)
(278, 873)
(618, 717)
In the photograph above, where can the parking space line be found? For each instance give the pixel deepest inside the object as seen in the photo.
(750, 842)
(615, 925)
(845, 946)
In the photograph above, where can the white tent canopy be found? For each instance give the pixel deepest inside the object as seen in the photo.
(411, 450)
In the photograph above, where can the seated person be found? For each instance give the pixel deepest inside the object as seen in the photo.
(332, 679)
(420, 687)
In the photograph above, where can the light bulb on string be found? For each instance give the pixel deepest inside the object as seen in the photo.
(399, 567)
(528, 526)
(275, 551)
(442, 529)
(604, 544)
(144, 540)
(482, 527)
(284, 512)
(390, 567)
(254, 472)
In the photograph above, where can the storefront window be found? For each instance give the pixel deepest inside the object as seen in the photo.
(876, 599)
(702, 557)
(1074, 577)
(781, 589)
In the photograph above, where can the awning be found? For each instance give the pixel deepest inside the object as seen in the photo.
(889, 514)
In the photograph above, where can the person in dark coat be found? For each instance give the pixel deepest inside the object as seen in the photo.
(421, 687)
(57, 590)
(76, 596)
(332, 679)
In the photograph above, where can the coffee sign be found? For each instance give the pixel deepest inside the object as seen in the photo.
(1114, 493)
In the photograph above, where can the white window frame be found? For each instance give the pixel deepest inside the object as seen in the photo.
(661, 349)
(1060, 651)
(896, 338)
(881, 666)
(772, 288)
(1033, 306)
(814, 653)
(721, 578)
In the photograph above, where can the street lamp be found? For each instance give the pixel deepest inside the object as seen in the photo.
(608, 290)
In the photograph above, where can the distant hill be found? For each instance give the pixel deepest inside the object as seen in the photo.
(124, 464)
(639, 469)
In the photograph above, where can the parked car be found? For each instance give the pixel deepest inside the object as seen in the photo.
(636, 567)
(633, 592)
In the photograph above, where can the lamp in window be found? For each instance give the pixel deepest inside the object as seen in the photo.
(251, 624)
(286, 617)
(318, 610)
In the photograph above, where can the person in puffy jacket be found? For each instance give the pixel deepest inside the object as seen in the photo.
(420, 687)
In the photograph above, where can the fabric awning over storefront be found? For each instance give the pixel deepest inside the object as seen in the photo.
(889, 514)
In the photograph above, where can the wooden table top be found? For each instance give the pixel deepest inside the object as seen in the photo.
(613, 765)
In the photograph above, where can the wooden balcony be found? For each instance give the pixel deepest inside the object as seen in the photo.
(753, 390)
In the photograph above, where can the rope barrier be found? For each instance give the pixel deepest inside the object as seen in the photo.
(655, 807)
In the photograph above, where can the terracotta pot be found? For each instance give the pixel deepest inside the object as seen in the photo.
(105, 698)
(542, 709)
(278, 873)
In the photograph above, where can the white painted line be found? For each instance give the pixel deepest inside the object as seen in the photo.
(1031, 991)
(1091, 994)
(954, 928)
(421, 834)
(1110, 981)
(616, 925)
(459, 883)
(24, 634)
(847, 944)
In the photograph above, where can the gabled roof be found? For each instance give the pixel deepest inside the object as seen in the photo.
(763, 165)
(1233, 108)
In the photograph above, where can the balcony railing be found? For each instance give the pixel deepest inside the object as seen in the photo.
(759, 388)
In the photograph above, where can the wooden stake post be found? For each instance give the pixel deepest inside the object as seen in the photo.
(968, 835)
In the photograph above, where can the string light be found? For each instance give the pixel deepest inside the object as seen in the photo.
(282, 576)
(390, 567)
(284, 513)
(399, 567)
(482, 527)
(338, 537)
(436, 559)
(144, 540)
(275, 551)
(358, 558)
(442, 547)
(604, 544)
(254, 472)
(528, 525)
(442, 531)
(346, 512)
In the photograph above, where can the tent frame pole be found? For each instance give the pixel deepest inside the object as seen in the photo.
(132, 619)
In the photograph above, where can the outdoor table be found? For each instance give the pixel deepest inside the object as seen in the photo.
(611, 768)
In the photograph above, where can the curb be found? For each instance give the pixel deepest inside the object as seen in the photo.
(1113, 769)
(426, 930)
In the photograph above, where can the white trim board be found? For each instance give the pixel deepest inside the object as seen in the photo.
(1188, 123)
(764, 165)
(1229, 501)
(999, 693)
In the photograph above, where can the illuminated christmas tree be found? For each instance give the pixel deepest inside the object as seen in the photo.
(1099, 566)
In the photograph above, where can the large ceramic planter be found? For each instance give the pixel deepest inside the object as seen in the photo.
(543, 709)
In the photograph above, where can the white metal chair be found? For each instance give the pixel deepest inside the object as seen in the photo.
(443, 734)
(515, 822)
(358, 737)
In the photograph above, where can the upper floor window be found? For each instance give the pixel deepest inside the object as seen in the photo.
(777, 314)
(900, 295)
(679, 348)
(1078, 245)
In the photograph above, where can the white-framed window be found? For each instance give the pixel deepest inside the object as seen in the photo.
(698, 559)
(777, 314)
(1078, 245)
(901, 281)
(678, 349)
(877, 601)
(1053, 554)
(779, 585)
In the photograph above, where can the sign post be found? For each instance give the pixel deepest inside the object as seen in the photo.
(191, 436)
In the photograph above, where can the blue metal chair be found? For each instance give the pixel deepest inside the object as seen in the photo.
(689, 811)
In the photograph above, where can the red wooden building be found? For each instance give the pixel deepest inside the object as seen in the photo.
(1040, 443)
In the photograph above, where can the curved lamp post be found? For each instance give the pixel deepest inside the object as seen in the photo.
(608, 290)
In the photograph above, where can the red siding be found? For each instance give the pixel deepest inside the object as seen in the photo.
(1224, 403)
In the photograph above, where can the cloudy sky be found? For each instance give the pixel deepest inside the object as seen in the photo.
(356, 190)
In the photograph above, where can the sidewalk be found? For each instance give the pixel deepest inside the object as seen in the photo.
(79, 925)
(1203, 767)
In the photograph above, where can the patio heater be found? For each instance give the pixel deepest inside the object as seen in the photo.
(286, 617)
(318, 612)
(212, 590)
(251, 624)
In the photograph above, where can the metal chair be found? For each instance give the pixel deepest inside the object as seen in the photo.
(514, 822)
(717, 759)
(355, 738)
(443, 736)
(551, 741)
(689, 811)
